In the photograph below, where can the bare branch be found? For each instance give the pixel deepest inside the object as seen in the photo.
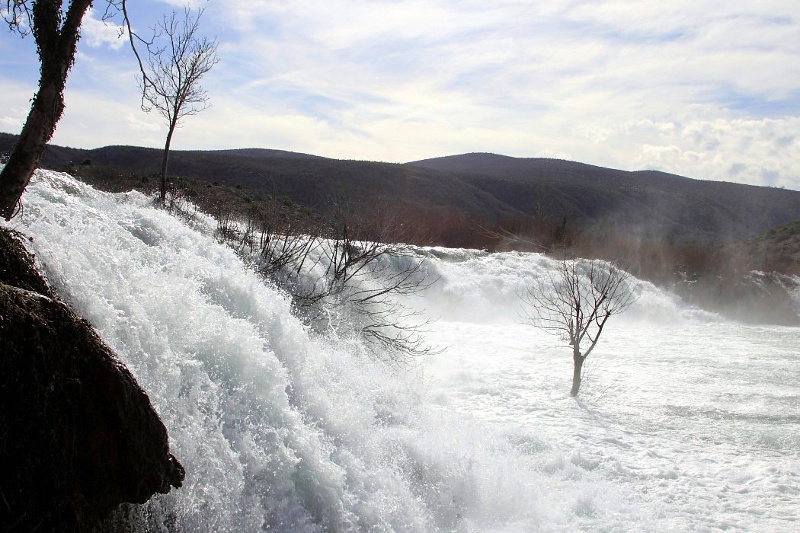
(18, 16)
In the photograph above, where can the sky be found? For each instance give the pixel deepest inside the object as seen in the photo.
(708, 89)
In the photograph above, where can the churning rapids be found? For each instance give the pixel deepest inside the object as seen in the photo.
(686, 422)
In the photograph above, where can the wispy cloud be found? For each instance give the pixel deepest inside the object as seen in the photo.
(700, 88)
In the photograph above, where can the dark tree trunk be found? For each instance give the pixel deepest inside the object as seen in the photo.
(56, 47)
(38, 129)
(578, 360)
(164, 162)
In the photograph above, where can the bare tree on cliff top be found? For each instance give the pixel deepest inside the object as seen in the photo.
(56, 32)
(575, 302)
(175, 60)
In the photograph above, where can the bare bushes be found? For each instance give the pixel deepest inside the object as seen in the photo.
(342, 275)
(178, 203)
(368, 278)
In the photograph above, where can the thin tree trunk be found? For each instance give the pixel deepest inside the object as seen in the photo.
(164, 162)
(578, 360)
(56, 53)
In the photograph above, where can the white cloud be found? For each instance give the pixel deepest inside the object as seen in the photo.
(143, 123)
(180, 4)
(97, 33)
(701, 88)
(756, 151)
(11, 123)
(16, 104)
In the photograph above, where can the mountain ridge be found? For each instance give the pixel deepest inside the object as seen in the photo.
(479, 186)
(631, 199)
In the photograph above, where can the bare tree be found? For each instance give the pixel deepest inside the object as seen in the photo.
(575, 301)
(55, 26)
(56, 33)
(175, 60)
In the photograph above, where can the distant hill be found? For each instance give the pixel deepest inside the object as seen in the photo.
(316, 182)
(645, 203)
(481, 187)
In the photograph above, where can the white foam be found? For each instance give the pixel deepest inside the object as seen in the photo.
(685, 422)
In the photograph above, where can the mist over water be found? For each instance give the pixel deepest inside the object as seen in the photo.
(685, 422)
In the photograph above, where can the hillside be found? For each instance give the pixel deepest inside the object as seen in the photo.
(774, 249)
(478, 190)
(315, 182)
(647, 204)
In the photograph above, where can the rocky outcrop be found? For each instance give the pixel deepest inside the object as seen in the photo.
(78, 436)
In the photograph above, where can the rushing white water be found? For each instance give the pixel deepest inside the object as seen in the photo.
(685, 423)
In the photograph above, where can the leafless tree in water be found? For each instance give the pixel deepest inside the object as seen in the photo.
(575, 302)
